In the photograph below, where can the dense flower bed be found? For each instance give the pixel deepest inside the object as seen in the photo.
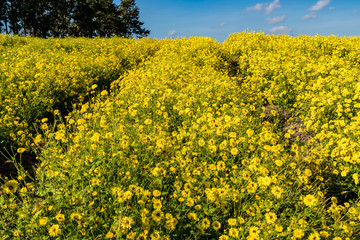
(255, 138)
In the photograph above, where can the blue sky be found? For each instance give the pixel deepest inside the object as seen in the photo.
(219, 18)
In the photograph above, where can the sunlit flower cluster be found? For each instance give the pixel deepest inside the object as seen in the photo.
(254, 138)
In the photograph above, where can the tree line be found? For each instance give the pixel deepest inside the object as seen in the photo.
(77, 18)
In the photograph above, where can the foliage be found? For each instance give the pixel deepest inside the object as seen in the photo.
(255, 138)
(77, 18)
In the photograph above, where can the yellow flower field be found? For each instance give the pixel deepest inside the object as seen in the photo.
(254, 138)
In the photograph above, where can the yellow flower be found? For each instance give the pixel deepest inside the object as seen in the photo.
(75, 216)
(234, 232)
(17, 233)
(23, 191)
(157, 204)
(298, 233)
(11, 186)
(234, 151)
(221, 166)
(193, 216)
(241, 220)
(95, 137)
(254, 231)
(60, 217)
(157, 215)
(277, 191)
(54, 230)
(279, 163)
(155, 235)
(216, 225)
(21, 150)
(278, 228)
(264, 181)
(324, 234)
(156, 193)
(131, 235)
(95, 181)
(224, 237)
(314, 236)
(205, 223)
(310, 200)
(356, 178)
(232, 222)
(308, 172)
(270, 217)
(126, 222)
(190, 202)
(250, 132)
(109, 235)
(43, 221)
(148, 121)
(142, 236)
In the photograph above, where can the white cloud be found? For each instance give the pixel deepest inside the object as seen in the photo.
(272, 6)
(280, 30)
(331, 8)
(320, 5)
(311, 15)
(171, 32)
(257, 7)
(222, 24)
(275, 20)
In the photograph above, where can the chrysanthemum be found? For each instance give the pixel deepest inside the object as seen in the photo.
(216, 225)
(142, 237)
(11, 186)
(60, 217)
(205, 223)
(131, 235)
(224, 237)
(109, 235)
(75, 216)
(155, 235)
(234, 232)
(232, 222)
(156, 193)
(157, 215)
(54, 230)
(314, 236)
(126, 222)
(43, 221)
(234, 151)
(157, 204)
(310, 200)
(298, 233)
(270, 217)
(254, 231)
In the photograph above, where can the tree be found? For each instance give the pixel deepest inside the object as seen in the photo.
(83, 15)
(60, 14)
(13, 16)
(79, 18)
(3, 13)
(128, 23)
(35, 17)
(105, 17)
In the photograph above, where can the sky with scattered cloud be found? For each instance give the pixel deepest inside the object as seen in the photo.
(218, 19)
